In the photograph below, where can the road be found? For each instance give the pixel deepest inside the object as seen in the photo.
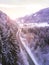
(30, 56)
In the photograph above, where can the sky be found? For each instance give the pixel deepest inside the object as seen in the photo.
(20, 8)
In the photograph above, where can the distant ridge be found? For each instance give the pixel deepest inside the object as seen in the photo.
(38, 17)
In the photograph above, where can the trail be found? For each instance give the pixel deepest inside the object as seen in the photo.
(29, 53)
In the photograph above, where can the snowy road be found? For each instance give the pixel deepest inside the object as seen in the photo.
(30, 56)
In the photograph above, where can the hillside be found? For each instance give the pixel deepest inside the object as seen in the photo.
(10, 52)
(38, 17)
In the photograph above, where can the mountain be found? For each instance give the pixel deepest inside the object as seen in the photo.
(10, 53)
(40, 16)
(10, 48)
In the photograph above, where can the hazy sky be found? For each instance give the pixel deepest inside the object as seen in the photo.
(15, 2)
(18, 8)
